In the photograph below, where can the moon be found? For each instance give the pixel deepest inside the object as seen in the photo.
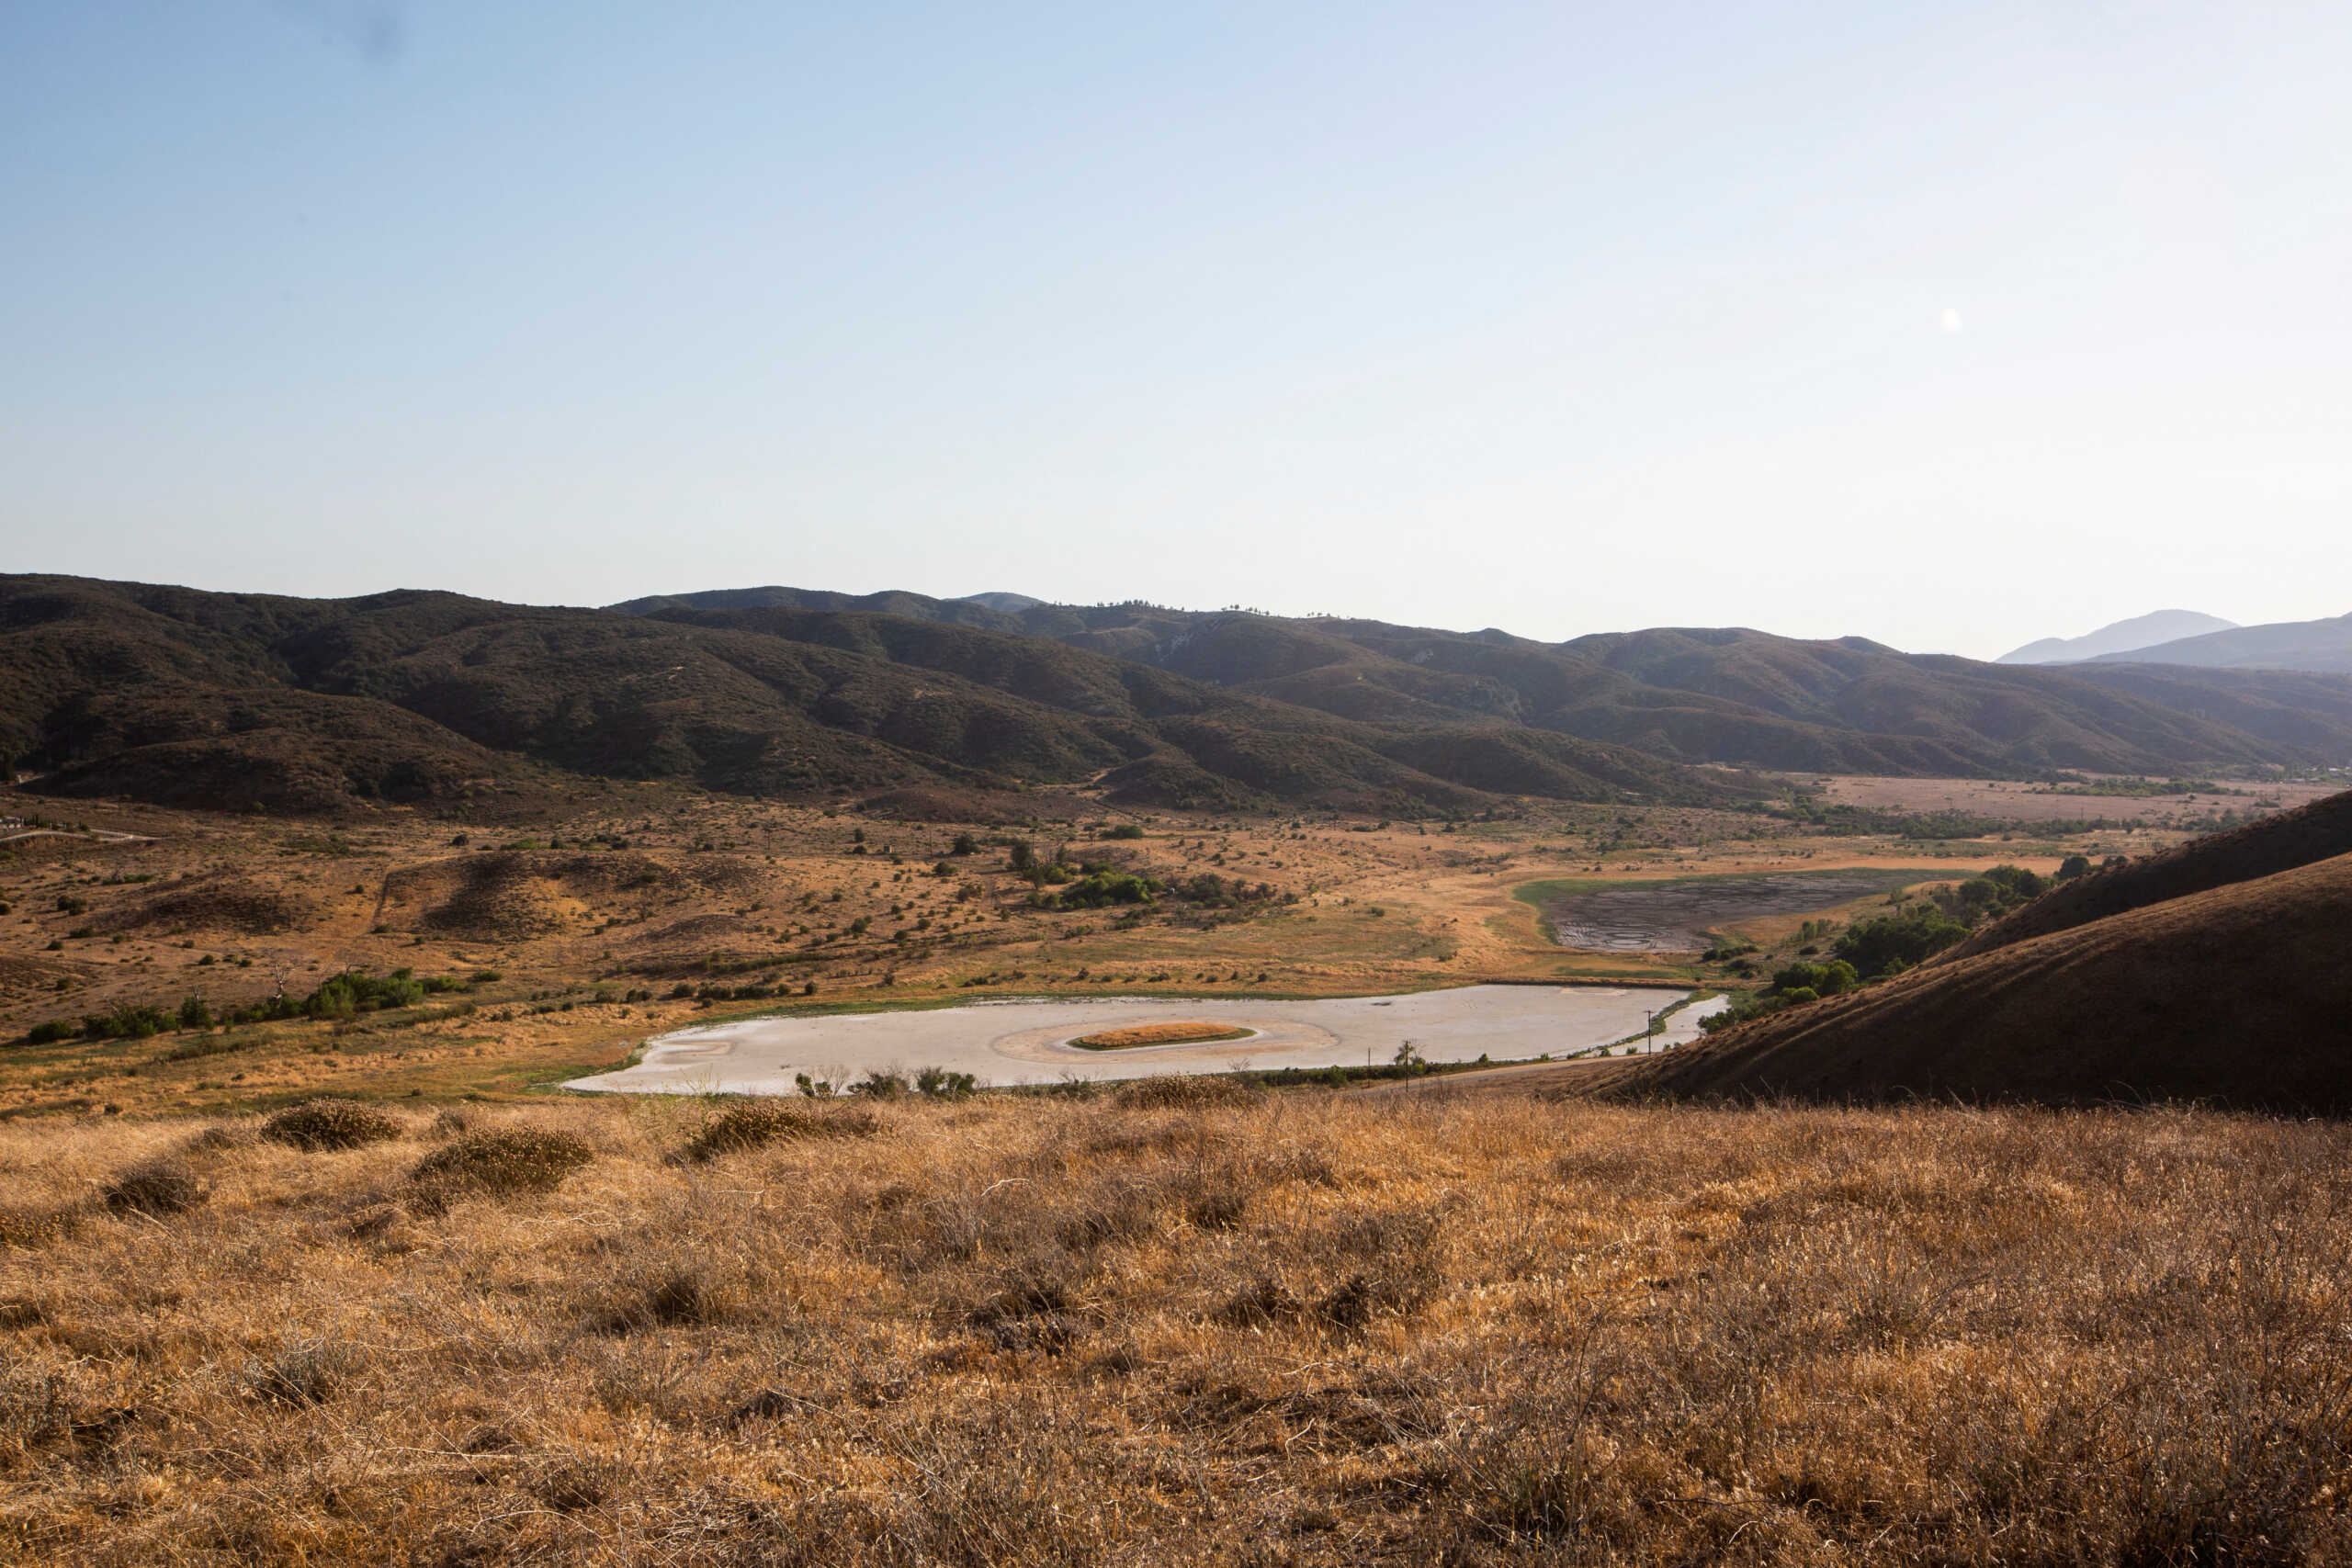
(1952, 319)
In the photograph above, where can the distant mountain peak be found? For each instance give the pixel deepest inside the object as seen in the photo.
(2323, 647)
(2123, 637)
(1004, 603)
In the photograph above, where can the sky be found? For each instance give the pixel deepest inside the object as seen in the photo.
(1949, 326)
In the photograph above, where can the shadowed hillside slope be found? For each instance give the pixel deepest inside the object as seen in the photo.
(2236, 996)
(2319, 831)
(1731, 695)
(251, 701)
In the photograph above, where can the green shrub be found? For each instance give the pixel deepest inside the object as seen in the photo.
(1105, 889)
(1819, 979)
(1892, 944)
(356, 992)
(938, 1083)
(127, 1021)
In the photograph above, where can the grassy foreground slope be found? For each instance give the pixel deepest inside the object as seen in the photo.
(2234, 996)
(1321, 1330)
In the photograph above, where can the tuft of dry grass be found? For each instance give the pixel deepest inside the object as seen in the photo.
(500, 1162)
(1314, 1328)
(1178, 1092)
(330, 1124)
(155, 1188)
(745, 1125)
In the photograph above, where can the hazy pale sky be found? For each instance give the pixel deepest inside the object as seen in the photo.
(1951, 325)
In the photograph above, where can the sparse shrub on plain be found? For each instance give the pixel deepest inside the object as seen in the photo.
(330, 1123)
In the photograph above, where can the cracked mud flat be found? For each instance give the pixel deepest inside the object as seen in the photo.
(1675, 917)
(1015, 1042)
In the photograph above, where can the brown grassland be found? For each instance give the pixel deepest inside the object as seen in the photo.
(1181, 1325)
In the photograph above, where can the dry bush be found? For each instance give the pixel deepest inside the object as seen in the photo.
(328, 1123)
(304, 1372)
(37, 1224)
(502, 1162)
(754, 1123)
(156, 1189)
(1175, 1093)
(218, 1140)
(1410, 1330)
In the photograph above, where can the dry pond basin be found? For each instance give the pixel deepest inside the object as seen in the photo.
(1682, 914)
(1038, 1040)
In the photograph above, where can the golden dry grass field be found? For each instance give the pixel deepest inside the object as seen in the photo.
(1162, 1327)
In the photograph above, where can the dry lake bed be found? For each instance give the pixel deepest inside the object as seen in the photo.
(1015, 1041)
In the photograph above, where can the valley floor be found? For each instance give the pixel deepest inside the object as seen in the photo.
(565, 938)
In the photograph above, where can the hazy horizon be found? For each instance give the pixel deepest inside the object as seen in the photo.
(1954, 331)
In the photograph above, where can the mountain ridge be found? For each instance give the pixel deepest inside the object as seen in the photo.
(281, 704)
(2322, 647)
(2118, 638)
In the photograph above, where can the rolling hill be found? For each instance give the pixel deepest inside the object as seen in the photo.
(247, 701)
(2236, 996)
(254, 700)
(2306, 836)
(1729, 697)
